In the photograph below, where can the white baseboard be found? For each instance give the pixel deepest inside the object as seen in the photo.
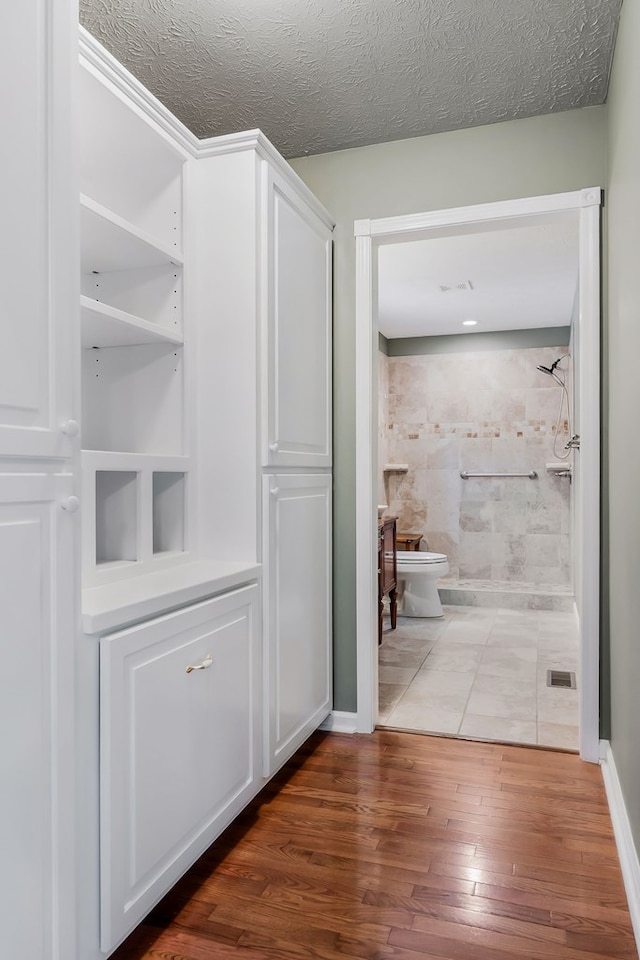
(627, 853)
(339, 721)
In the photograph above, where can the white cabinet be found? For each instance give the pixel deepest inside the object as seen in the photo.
(297, 516)
(259, 247)
(205, 305)
(296, 431)
(135, 376)
(37, 607)
(159, 304)
(38, 441)
(259, 253)
(297, 342)
(37, 333)
(180, 746)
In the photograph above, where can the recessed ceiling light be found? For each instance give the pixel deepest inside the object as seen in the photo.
(469, 323)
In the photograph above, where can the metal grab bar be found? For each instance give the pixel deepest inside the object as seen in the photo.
(531, 475)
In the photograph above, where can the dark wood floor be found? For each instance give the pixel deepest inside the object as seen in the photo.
(399, 847)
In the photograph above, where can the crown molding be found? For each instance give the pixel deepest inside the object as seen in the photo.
(232, 143)
(99, 58)
(255, 140)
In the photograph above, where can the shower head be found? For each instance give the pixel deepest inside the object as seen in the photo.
(551, 371)
(553, 366)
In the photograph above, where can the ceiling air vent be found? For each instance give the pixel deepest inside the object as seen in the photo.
(462, 286)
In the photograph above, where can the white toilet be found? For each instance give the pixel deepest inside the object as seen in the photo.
(417, 575)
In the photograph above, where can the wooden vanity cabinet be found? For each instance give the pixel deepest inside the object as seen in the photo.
(387, 570)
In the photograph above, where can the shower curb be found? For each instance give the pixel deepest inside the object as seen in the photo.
(511, 599)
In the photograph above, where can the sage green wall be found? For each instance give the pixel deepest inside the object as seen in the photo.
(623, 336)
(504, 161)
(463, 342)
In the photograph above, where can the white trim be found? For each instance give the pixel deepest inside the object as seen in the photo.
(587, 460)
(100, 60)
(479, 213)
(98, 57)
(370, 234)
(64, 316)
(627, 852)
(340, 721)
(256, 140)
(366, 511)
(231, 143)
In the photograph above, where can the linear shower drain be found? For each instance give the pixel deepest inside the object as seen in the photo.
(561, 678)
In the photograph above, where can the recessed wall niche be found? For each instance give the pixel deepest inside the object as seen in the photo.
(116, 516)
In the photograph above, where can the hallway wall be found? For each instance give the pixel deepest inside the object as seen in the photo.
(519, 158)
(623, 336)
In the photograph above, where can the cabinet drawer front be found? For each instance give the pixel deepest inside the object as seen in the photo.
(178, 711)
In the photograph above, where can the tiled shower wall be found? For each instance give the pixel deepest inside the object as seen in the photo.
(486, 411)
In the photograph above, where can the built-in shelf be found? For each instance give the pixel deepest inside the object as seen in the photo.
(139, 505)
(116, 496)
(134, 399)
(559, 469)
(117, 604)
(111, 243)
(126, 162)
(106, 326)
(168, 512)
(122, 460)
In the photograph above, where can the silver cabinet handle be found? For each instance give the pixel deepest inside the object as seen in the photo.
(70, 428)
(275, 491)
(206, 663)
(70, 504)
(274, 447)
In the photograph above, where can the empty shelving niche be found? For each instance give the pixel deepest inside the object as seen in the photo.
(127, 164)
(116, 516)
(131, 307)
(168, 512)
(129, 271)
(133, 399)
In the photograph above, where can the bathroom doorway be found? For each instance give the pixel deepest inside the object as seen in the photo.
(383, 242)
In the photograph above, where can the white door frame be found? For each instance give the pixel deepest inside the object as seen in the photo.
(370, 235)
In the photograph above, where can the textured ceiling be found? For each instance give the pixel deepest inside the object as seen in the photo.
(321, 75)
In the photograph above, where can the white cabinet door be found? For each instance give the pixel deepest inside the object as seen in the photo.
(37, 626)
(297, 534)
(297, 339)
(38, 539)
(179, 747)
(39, 311)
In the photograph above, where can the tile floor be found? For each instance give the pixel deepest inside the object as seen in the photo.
(481, 672)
